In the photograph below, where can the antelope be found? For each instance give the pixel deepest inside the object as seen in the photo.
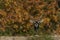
(36, 22)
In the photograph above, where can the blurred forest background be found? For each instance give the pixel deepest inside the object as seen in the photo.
(15, 16)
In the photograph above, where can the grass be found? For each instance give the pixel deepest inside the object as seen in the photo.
(41, 37)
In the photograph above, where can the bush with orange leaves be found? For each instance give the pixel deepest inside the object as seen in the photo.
(15, 16)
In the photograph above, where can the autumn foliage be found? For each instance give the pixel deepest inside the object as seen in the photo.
(15, 16)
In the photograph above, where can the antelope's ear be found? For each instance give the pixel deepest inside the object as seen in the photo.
(31, 21)
(41, 21)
